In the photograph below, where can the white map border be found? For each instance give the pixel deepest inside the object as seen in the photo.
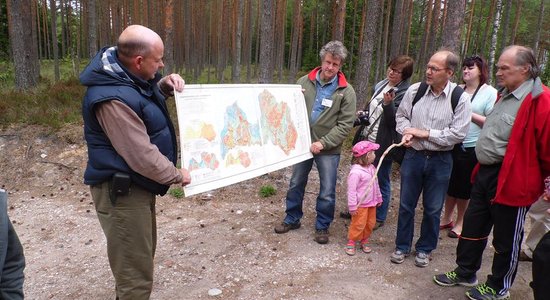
(208, 95)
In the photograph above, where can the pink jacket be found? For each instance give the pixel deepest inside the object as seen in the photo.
(358, 181)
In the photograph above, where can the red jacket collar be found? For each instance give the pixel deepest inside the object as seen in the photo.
(342, 82)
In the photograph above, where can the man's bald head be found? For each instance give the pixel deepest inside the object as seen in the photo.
(140, 50)
(137, 40)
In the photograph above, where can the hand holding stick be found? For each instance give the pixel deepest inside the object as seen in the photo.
(371, 183)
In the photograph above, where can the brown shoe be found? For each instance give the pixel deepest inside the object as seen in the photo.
(378, 225)
(321, 236)
(524, 257)
(284, 227)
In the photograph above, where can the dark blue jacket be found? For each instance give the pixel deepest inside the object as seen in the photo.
(108, 80)
(12, 260)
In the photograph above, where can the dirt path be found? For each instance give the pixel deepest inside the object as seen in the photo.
(226, 243)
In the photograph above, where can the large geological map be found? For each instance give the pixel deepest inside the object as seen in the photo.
(231, 133)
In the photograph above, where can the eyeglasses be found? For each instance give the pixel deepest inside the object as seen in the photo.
(434, 69)
(395, 71)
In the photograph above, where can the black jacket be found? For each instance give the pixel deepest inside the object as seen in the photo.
(386, 129)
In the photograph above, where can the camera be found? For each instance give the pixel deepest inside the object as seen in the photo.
(362, 118)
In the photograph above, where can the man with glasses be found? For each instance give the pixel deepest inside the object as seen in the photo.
(430, 129)
(513, 151)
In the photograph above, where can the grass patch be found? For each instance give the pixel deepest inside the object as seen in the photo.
(267, 191)
(52, 105)
(176, 192)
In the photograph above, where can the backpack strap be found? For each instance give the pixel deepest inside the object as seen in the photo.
(455, 95)
(420, 92)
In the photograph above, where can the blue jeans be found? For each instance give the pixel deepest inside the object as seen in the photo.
(429, 175)
(327, 165)
(385, 188)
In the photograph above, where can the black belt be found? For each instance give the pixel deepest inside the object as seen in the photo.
(430, 153)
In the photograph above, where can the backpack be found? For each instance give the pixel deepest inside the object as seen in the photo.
(455, 95)
(397, 154)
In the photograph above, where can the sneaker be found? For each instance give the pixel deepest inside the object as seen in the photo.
(284, 227)
(378, 225)
(365, 246)
(398, 256)
(422, 259)
(350, 248)
(321, 236)
(451, 279)
(485, 292)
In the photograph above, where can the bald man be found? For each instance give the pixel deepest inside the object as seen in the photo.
(430, 132)
(513, 151)
(132, 151)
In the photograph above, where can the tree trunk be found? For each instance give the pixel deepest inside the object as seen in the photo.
(536, 37)
(297, 25)
(352, 41)
(266, 43)
(423, 52)
(45, 30)
(469, 29)
(453, 25)
(385, 38)
(23, 44)
(367, 47)
(169, 36)
(249, 32)
(512, 40)
(488, 27)
(505, 24)
(258, 39)
(37, 26)
(496, 26)
(279, 38)
(432, 37)
(236, 70)
(397, 27)
(63, 28)
(339, 20)
(55, 50)
(92, 28)
(407, 36)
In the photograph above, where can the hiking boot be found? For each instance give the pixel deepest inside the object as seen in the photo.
(422, 259)
(284, 227)
(485, 292)
(451, 279)
(321, 236)
(398, 256)
(378, 225)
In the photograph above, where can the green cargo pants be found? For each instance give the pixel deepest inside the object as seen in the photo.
(131, 231)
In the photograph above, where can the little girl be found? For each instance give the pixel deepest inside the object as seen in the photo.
(362, 207)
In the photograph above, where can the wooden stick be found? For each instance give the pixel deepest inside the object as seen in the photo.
(371, 183)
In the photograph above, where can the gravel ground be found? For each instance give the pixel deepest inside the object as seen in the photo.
(224, 242)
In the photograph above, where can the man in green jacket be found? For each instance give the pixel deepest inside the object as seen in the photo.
(330, 102)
